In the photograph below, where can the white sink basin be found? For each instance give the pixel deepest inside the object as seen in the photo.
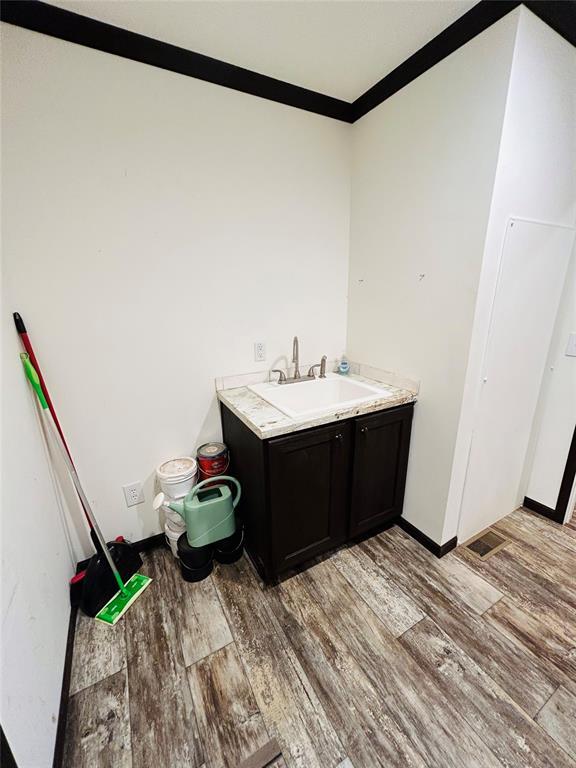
(318, 396)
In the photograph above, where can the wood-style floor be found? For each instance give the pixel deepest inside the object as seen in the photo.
(381, 655)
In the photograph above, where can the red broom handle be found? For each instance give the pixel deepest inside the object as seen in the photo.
(21, 328)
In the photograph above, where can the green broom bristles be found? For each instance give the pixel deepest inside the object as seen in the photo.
(123, 599)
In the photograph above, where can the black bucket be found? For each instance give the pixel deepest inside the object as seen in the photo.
(196, 574)
(230, 549)
(194, 557)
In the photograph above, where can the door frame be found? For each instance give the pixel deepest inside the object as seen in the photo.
(8, 760)
(564, 494)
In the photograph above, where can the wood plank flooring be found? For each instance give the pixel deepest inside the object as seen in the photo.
(381, 655)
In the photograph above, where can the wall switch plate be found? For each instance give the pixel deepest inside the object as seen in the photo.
(571, 346)
(259, 351)
(133, 494)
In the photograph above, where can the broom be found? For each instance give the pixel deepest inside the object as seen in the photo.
(137, 583)
(23, 333)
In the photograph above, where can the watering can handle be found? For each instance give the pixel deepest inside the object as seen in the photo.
(214, 479)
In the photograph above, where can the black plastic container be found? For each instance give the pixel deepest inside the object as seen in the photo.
(194, 557)
(196, 574)
(230, 549)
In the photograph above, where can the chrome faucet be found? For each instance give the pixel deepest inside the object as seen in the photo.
(297, 375)
(295, 358)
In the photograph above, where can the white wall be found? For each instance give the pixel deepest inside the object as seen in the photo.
(423, 169)
(36, 565)
(154, 227)
(556, 413)
(535, 180)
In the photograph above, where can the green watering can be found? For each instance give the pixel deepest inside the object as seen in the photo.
(208, 513)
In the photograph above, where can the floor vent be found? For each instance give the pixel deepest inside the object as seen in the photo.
(486, 544)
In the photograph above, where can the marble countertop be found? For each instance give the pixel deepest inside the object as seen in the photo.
(267, 421)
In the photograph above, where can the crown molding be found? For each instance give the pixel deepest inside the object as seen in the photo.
(460, 32)
(66, 25)
(48, 19)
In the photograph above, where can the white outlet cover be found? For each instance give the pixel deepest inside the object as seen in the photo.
(133, 493)
(259, 351)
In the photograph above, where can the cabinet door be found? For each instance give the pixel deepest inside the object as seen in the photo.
(309, 488)
(381, 443)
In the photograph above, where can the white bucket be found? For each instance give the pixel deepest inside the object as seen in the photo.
(176, 526)
(177, 476)
(175, 520)
(172, 539)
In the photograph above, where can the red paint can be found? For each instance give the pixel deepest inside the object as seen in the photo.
(213, 459)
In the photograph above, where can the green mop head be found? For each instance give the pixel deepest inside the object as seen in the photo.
(117, 606)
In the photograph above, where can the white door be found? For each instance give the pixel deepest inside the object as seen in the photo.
(532, 272)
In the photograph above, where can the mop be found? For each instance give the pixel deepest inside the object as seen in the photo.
(24, 337)
(137, 583)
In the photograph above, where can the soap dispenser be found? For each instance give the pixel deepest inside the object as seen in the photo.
(344, 366)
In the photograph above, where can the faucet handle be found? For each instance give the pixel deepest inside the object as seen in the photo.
(281, 375)
(311, 374)
(321, 365)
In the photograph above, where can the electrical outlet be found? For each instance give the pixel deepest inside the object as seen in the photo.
(133, 494)
(259, 351)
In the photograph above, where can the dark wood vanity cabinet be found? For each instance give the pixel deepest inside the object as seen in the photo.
(309, 488)
(310, 491)
(381, 444)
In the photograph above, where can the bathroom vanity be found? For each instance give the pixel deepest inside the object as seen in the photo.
(317, 473)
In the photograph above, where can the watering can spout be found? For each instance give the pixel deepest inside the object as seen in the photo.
(176, 506)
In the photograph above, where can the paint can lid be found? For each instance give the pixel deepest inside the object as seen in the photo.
(180, 468)
(211, 450)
